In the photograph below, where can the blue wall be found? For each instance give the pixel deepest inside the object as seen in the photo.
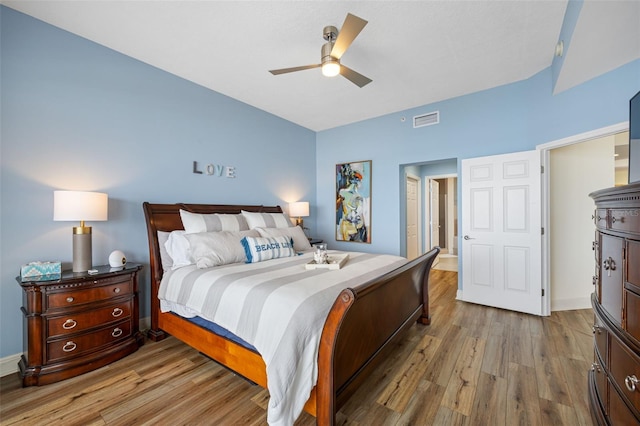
(76, 115)
(510, 118)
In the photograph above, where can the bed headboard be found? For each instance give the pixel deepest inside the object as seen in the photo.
(166, 217)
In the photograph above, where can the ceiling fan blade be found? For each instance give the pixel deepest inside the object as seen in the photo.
(349, 31)
(286, 70)
(354, 77)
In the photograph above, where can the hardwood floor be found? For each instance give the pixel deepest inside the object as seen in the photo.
(473, 365)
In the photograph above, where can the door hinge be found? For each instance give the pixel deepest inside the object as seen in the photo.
(541, 169)
(543, 292)
(542, 231)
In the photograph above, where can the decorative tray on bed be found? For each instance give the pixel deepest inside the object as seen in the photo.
(336, 261)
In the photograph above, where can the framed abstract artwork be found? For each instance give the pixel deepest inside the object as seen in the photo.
(353, 201)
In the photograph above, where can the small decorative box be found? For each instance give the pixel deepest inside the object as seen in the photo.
(41, 271)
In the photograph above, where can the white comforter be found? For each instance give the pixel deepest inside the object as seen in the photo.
(277, 306)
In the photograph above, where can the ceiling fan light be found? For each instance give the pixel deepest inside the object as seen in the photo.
(331, 68)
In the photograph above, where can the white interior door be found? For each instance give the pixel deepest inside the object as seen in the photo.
(501, 228)
(434, 213)
(413, 249)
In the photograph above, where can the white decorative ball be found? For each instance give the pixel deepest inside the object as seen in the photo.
(117, 258)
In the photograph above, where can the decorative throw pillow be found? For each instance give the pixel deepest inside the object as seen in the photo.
(214, 222)
(259, 249)
(267, 220)
(218, 248)
(300, 241)
(177, 247)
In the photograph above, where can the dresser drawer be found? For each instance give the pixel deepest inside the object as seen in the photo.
(633, 263)
(76, 345)
(78, 322)
(632, 311)
(619, 413)
(66, 299)
(600, 218)
(600, 338)
(625, 220)
(623, 367)
(602, 384)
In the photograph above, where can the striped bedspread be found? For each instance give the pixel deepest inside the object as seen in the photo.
(277, 306)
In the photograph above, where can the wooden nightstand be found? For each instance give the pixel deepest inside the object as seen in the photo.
(79, 323)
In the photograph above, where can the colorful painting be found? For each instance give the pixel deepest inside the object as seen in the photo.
(353, 202)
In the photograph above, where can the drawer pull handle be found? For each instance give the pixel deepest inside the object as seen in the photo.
(117, 312)
(117, 332)
(70, 299)
(610, 265)
(631, 382)
(595, 367)
(116, 290)
(69, 324)
(69, 347)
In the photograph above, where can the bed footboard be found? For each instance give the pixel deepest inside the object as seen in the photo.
(360, 327)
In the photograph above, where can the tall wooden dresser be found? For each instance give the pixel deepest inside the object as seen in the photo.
(614, 379)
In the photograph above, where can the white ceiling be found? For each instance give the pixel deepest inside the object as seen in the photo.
(416, 52)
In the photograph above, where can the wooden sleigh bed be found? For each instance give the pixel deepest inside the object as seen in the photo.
(360, 328)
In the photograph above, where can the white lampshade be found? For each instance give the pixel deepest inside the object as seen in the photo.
(299, 209)
(80, 205)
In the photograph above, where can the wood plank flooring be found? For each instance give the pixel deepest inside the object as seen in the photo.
(473, 365)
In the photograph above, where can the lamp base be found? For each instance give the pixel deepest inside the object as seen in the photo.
(300, 222)
(81, 249)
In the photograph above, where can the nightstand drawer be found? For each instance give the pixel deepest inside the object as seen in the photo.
(90, 295)
(77, 322)
(76, 345)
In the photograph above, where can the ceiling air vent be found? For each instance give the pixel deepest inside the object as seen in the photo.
(426, 119)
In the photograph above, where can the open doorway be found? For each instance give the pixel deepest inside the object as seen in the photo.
(429, 214)
(442, 219)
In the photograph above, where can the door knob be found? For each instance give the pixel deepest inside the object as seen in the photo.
(466, 237)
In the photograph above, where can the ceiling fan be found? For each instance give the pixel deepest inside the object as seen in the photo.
(337, 43)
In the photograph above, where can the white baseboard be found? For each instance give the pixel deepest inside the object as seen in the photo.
(9, 364)
(571, 304)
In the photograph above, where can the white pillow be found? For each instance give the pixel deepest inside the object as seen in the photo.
(259, 249)
(300, 241)
(267, 220)
(214, 222)
(165, 259)
(218, 248)
(177, 246)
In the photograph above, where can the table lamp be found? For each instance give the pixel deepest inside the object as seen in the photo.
(82, 206)
(299, 210)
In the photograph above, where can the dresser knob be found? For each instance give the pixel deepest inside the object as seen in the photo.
(116, 290)
(69, 324)
(631, 382)
(117, 332)
(69, 347)
(70, 299)
(117, 312)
